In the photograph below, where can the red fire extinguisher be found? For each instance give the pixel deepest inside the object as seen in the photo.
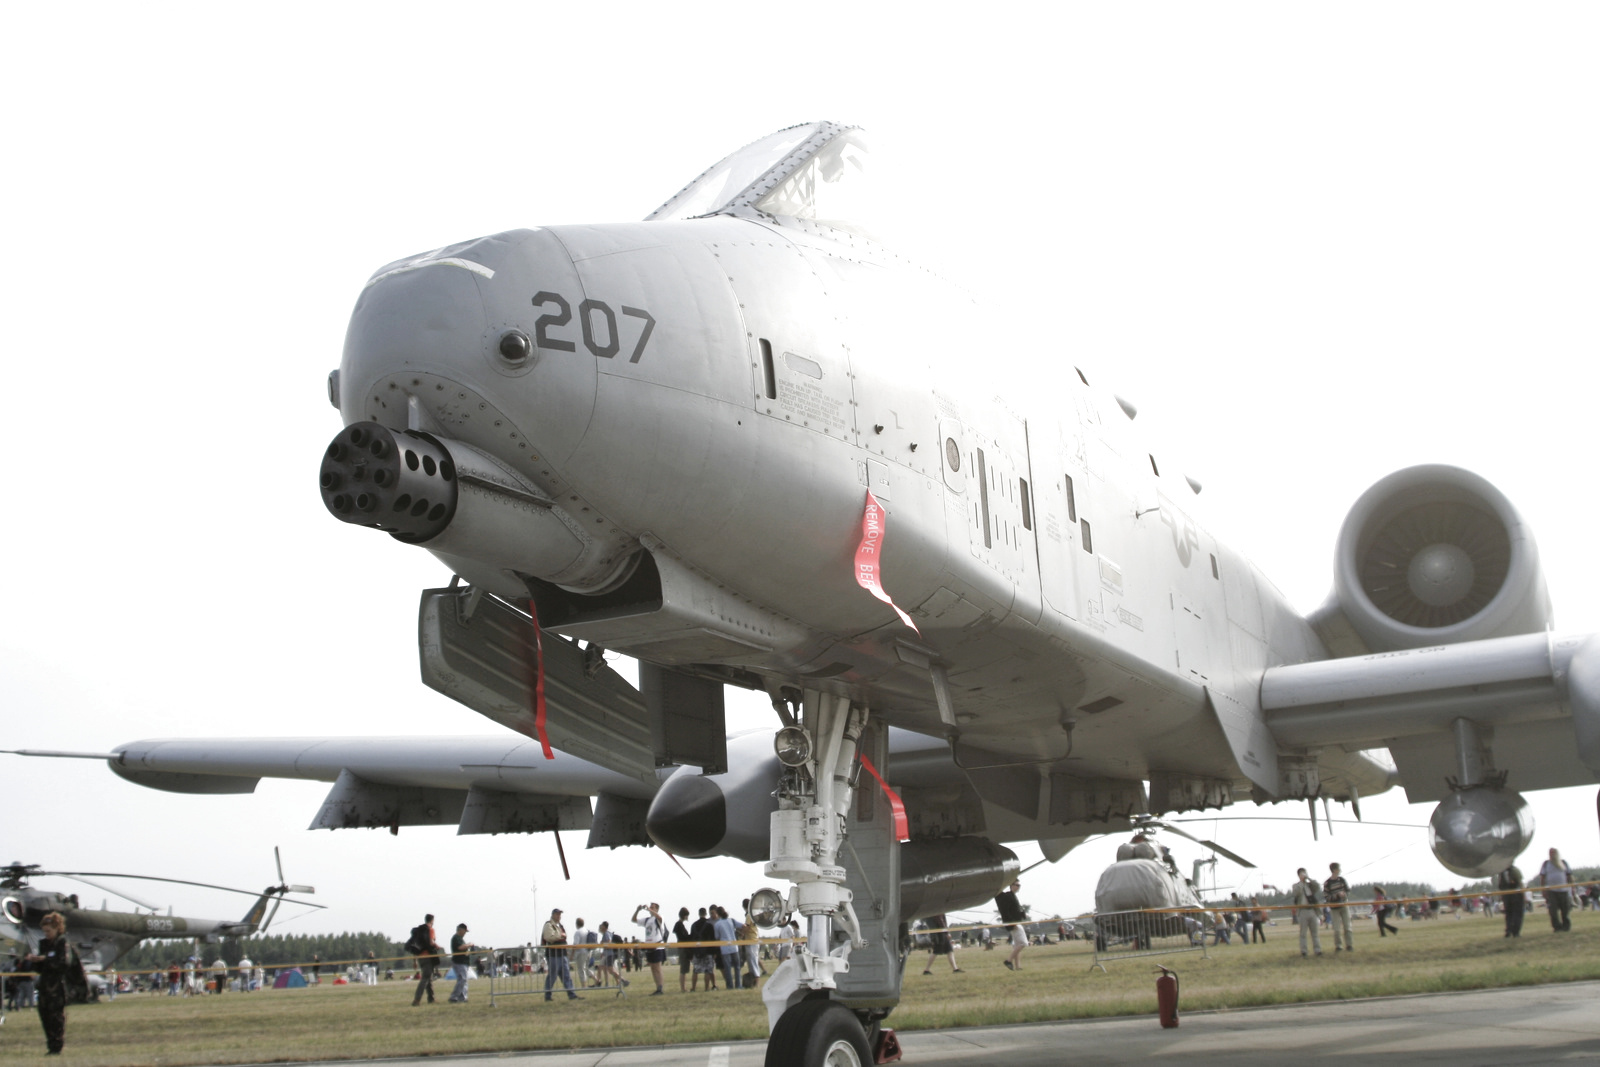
(1167, 998)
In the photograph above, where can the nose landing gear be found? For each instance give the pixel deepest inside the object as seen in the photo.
(822, 1003)
(818, 1033)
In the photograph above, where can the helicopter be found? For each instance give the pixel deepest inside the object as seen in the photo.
(102, 935)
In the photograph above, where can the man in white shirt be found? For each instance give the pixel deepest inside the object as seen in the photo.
(655, 932)
(1555, 871)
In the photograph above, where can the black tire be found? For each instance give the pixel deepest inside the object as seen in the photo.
(818, 1033)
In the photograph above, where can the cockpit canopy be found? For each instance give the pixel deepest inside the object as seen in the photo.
(816, 173)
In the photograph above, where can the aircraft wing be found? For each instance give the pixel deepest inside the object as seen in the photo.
(1435, 709)
(481, 784)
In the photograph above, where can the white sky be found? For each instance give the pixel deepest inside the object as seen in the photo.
(1314, 244)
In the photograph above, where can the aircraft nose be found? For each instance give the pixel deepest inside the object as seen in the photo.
(689, 816)
(408, 321)
(472, 342)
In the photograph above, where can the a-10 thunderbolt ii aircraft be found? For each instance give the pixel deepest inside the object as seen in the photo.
(101, 934)
(748, 444)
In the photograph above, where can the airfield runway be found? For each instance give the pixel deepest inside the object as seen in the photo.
(1531, 1025)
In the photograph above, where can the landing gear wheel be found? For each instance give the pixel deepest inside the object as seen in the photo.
(818, 1033)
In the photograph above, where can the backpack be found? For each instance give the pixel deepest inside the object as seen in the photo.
(418, 944)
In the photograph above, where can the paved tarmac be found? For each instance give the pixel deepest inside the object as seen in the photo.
(1534, 1025)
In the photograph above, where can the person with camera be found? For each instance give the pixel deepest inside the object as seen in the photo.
(655, 932)
(1307, 898)
(460, 962)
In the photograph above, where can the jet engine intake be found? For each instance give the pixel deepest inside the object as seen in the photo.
(1435, 555)
(1478, 832)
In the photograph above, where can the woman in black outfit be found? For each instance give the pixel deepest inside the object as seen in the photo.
(1382, 909)
(681, 931)
(940, 939)
(60, 973)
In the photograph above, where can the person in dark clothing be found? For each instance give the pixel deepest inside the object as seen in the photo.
(427, 958)
(1381, 910)
(1511, 879)
(704, 958)
(939, 942)
(460, 962)
(1013, 915)
(680, 930)
(60, 975)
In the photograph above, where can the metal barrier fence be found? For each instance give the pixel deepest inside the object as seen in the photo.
(523, 978)
(1126, 935)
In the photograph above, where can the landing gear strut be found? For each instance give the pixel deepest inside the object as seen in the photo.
(819, 1007)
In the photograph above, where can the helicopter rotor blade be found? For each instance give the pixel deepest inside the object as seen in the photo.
(299, 889)
(115, 892)
(273, 914)
(1212, 845)
(278, 859)
(1227, 854)
(303, 903)
(154, 878)
(1174, 830)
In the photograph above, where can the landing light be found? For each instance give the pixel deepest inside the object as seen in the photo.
(768, 909)
(793, 746)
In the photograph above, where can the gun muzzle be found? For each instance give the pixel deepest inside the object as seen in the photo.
(403, 482)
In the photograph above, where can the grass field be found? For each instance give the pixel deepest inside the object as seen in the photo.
(338, 1022)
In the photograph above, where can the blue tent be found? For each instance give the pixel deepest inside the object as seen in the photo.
(290, 979)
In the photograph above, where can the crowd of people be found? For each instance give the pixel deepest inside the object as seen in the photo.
(1326, 905)
(712, 948)
(712, 945)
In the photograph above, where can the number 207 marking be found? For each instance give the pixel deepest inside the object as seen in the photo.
(596, 320)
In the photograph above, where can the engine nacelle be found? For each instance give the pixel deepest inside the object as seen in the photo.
(1478, 832)
(697, 815)
(952, 874)
(1435, 555)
